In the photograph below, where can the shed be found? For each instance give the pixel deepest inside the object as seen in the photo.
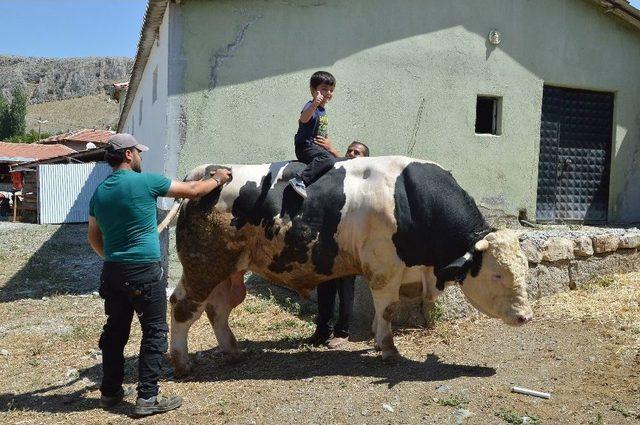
(58, 190)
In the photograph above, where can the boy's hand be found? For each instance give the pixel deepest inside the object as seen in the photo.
(317, 100)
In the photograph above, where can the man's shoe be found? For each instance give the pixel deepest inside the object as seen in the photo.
(157, 404)
(107, 402)
(298, 185)
(318, 339)
(337, 341)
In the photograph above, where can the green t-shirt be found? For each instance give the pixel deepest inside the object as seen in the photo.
(124, 205)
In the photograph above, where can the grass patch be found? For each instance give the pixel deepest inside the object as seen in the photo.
(514, 418)
(624, 412)
(434, 313)
(453, 401)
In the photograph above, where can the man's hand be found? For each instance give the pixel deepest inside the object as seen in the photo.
(196, 189)
(325, 143)
(317, 100)
(221, 174)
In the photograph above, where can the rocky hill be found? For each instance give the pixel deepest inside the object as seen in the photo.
(47, 79)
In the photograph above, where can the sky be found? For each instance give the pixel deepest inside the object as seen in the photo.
(70, 28)
(74, 28)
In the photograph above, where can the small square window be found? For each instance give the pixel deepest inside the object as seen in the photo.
(154, 94)
(488, 115)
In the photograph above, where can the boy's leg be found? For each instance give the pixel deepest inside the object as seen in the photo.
(318, 161)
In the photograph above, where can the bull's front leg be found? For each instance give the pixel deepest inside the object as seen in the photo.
(385, 301)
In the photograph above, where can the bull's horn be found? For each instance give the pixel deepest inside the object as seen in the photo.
(481, 245)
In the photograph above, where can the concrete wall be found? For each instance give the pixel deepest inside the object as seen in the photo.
(408, 75)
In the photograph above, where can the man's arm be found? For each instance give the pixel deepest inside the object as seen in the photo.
(196, 189)
(325, 143)
(306, 115)
(94, 236)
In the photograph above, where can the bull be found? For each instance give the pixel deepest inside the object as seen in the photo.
(394, 220)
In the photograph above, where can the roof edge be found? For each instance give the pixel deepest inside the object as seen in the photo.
(622, 9)
(151, 25)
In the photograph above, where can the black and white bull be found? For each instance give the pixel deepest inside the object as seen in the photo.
(394, 220)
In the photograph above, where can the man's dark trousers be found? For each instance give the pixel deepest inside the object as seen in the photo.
(344, 288)
(128, 288)
(318, 161)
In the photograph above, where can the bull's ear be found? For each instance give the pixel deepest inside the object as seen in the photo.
(481, 245)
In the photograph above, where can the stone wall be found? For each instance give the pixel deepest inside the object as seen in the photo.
(560, 259)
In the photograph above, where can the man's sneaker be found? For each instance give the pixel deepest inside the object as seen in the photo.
(298, 185)
(107, 402)
(157, 404)
(337, 341)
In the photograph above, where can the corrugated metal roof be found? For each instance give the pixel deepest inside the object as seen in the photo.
(85, 136)
(150, 28)
(22, 152)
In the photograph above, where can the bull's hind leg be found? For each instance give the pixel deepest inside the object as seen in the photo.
(185, 310)
(386, 302)
(226, 295)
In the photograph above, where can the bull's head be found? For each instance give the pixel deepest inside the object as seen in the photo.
(499, 288)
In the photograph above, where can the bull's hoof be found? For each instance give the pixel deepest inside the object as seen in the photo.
(391, 356)
(235, 358)
(181, 367)
(181, 372)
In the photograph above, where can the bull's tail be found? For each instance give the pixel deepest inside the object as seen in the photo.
(173, 213)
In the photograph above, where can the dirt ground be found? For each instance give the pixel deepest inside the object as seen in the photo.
(583, 347)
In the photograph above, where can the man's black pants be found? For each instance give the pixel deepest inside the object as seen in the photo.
(318, 161)
(344, 288)
(127, 288)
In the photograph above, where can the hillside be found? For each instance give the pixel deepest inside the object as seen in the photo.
(68, 93)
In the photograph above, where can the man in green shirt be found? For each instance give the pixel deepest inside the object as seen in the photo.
(123, 231)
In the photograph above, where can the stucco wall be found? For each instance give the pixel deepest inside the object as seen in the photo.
(247, 65)
(152, 129)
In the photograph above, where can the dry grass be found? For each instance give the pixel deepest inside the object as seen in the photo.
(96, 111)
(285, 380)
(613, 301)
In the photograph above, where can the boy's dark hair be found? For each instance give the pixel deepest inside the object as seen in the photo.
(322, 77)
(366, 148)
(114, 157)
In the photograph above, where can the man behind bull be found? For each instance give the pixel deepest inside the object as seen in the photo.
(123, 231)
(334, 337)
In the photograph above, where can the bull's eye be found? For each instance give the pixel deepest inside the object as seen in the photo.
(497, 276)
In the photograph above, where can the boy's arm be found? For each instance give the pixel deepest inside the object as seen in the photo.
(306, 115)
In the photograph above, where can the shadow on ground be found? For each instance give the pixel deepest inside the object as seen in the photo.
(265, 360)
(61, 265)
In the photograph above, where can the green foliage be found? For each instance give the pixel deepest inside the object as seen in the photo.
(29, 137)
(434, 313)
(453, 401)
(512, 417)
(13, 118)
(4, 110)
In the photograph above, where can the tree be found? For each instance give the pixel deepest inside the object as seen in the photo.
(15, 121)
(4, 110)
